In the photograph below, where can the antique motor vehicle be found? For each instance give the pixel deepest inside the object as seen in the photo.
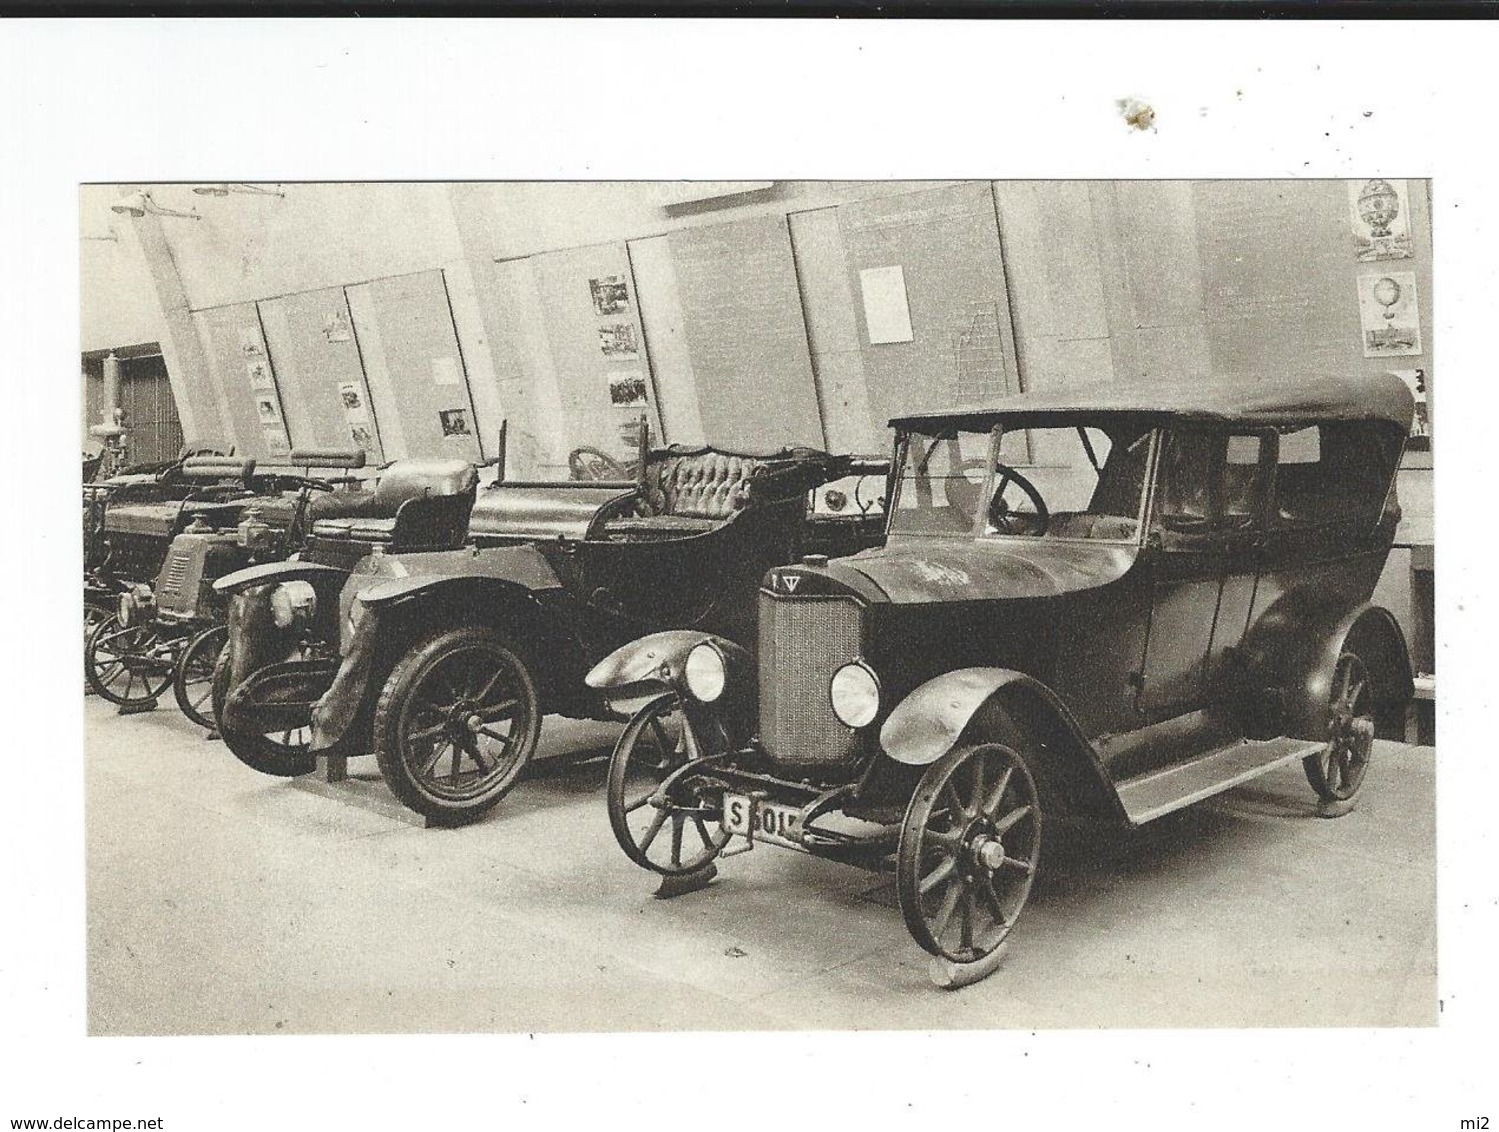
(1092, 605)
(439, 651)
(169, 631)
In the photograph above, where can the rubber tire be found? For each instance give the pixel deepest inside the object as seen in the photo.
(392, 702)
(256, 751)
(214, 638)
(1336, 802)
(95, 613)
(907, 869)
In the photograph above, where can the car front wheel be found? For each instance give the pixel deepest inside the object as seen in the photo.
(456, 723)
(281, 754)
(969, 851)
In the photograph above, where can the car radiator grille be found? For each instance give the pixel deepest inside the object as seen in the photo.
(803, 641)
(177, 592)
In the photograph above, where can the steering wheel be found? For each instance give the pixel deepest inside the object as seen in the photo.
(591, 464)
(1002, 518)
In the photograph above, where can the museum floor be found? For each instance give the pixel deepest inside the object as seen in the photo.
(221, 901)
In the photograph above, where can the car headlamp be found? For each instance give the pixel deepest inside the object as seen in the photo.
(134, 606)
(855, 693)
(705, 672)
(293, 603)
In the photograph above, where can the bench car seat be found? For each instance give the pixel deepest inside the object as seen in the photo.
(422, 503)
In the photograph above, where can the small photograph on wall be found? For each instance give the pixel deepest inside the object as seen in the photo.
(352, 398)
(610, 295)
(1388, 314)
(362, 437)
(617, 340)
(627, 388)
(336, 328)
(1381, 219)
(249, 343)
(266, 410)
(454, 422)
(260, 377)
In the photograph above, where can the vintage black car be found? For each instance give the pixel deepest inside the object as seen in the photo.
(167, 629)
(441, 647)
(1171, 598)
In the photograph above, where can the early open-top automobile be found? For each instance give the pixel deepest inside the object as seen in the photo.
(1170, 599)
(443, 645)
(167, 629)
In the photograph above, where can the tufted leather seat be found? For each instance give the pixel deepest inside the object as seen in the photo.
(402, 482)
(691, 494)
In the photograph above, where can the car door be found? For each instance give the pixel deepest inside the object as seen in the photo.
(1248, 469)
(1188, 554)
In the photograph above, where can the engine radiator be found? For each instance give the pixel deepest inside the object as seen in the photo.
(803, 641)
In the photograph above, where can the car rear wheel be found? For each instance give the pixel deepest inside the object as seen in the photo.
(969, 851)
(456, 723)
(670, 836)
(1337, 771)
(193, 681)
(282, 754)
(131, 666)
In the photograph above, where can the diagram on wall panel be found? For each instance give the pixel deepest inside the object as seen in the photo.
(1381, 219)
(1388, 314)
(610, 295)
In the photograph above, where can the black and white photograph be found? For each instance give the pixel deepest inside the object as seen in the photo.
(944, 624)
(1130, 623)
(611, 295)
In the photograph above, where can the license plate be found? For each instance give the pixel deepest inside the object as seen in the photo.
(762, 821)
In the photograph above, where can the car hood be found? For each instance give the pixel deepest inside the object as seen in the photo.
(912, 571)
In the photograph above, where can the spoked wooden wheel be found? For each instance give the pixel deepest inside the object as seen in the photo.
(284, 754)
(192, 683)
(673, 836)
(969, 851)
(130, 667)
(94, 615)
(1337, 771)
(456, 723)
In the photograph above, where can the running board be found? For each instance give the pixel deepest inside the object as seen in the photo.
(1159, 792)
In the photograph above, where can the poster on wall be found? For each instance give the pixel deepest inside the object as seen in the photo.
(260, 377)
(362, 436)
(610, 295)
(1415, 380)
(267, 410)
(1381, 219)
(1388, 314)
(249, 342)
(887, 313)
(617, 341)
(336, 328)
(626, 388)
(454, 422)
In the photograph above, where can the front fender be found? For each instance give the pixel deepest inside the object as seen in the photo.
(1003, 705)
(635, 672)
(270, 572)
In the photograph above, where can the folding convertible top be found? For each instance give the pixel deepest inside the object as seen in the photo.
(1380, 397)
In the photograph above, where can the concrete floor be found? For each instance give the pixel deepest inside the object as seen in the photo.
(221, 901)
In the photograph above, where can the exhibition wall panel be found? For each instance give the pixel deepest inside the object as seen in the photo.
(420, 364)
(666, 341)
(742, 321)
(244, 383)
(591, 315)
(318, 368)
(537, 440)
(833, 333)
(934, 312)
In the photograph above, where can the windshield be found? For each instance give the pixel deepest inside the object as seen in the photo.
(1067, 482)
